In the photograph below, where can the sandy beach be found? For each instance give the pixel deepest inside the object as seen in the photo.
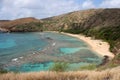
(99, 46)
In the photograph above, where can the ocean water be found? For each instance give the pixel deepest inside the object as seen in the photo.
(29, 67)
(71, 50)
(25, 52)
(15, 45)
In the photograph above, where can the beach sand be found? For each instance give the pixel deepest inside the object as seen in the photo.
(99, 46)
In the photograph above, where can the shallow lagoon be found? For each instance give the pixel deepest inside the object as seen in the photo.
(38, 51)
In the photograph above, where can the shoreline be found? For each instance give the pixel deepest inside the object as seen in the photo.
(99, 46)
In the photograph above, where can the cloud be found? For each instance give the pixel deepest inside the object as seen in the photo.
(110, 4)
(12, 9)
(88, 4)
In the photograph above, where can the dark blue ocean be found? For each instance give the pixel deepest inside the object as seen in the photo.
(26, 52)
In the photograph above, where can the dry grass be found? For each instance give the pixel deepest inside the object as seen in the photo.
(109, 74)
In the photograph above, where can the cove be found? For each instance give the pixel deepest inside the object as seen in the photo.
(35, 51)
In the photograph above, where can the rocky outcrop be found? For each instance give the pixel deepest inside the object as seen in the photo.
(3, 30)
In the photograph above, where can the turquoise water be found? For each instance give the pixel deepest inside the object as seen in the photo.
(45, 66)
(71, 50)
(15, 45)
(27, 52)
(32, 67)
(7, 44)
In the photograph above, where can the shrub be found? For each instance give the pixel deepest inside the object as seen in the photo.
(3, 71)
(88, 67)
(59, 66)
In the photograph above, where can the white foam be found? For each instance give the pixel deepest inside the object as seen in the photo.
(33, 52)
(53, 44)
(15, 59)
(21, 57)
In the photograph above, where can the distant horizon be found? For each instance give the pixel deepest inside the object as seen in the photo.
(14, 9)
(55, 15)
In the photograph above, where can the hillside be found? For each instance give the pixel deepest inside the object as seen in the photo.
(85, 19)
(3, 21)
(109, 74)
(22, 25)
(98, 23)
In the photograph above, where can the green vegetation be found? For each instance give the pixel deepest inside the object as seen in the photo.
(72, 31)
(109, 34)
(118, 56)
(116, 61)
(88, 67)
(3, 71)
(62, 66)
(33, 26)
(59, 66)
